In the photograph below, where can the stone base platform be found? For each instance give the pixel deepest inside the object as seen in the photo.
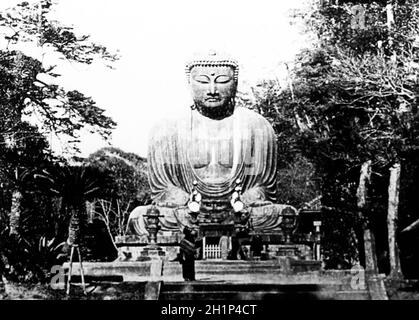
(204, 269)
(131, 248)
(232, 280)
(327, 287)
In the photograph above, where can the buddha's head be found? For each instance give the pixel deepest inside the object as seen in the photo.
(213, 81)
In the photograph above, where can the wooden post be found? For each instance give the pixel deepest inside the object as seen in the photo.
(369, 240)
(392, 216)
(83, 283)
(73, 248)
(70, 272)
(204, 248)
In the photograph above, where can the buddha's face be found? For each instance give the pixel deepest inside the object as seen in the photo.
(213, 88)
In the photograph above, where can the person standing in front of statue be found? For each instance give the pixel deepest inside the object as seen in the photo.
(187, 254)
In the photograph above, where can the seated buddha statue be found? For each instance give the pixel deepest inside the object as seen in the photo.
(225, 154)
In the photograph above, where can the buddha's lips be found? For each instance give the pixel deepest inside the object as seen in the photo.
(213, 99)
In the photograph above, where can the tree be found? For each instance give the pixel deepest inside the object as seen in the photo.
(28, 82)
(352, 98)
(24, 90)
(297, 181)
(75, 185)
(127, 171)
(127, 188)
(29, 94)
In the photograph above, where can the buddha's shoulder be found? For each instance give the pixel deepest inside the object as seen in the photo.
(252, 117)
(165, 123)
(165, 127)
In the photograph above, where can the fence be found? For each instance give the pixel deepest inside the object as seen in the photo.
(212, 251)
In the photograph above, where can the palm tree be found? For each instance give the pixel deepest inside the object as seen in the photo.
(74, 185)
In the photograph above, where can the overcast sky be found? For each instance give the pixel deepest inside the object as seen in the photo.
(155, 39)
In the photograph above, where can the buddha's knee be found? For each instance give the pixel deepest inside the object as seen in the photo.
(136, 221)
(270, 216)
(168, 220)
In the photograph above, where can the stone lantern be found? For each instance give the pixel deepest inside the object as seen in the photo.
(153, 227)
(288, 224)
(152, 250)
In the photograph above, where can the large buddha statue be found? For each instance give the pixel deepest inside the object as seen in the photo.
(222, 154)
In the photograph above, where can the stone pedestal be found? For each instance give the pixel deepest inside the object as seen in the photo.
(133, 248)
(2, 286)
(151, 252)
(288, 250)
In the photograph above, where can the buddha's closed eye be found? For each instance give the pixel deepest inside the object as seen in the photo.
(223, 79)
(202, 79)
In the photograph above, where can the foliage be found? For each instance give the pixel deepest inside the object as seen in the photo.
(56, 110)
(351, 97)
(358, 90)
(30, 22)
(338, 26)
(22, 260)
(74, 184)
(297, 181)
(127, 188)
(29, 94)
(27, 83)
(127, 174)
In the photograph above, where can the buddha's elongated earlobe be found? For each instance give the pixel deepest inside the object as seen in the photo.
(233, 102)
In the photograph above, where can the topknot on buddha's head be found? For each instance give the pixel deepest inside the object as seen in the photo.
(213, 59)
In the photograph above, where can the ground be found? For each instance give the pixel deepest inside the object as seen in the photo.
(14, 291)
(402, 289)
(396, 290)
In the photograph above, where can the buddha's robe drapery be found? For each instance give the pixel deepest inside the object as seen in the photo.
(215, 153)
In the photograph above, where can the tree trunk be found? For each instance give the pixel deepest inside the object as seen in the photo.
(74, 230)
(57, 203)
(368, 236)
(90, 210)
(15, 210)
(392, 215)
(108, 228)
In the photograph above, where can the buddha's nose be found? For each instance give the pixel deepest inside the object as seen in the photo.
(212, 88)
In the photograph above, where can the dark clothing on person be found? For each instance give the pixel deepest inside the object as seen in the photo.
(187, 256)
(256, 246)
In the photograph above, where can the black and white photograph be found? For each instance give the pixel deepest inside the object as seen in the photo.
(225, 153)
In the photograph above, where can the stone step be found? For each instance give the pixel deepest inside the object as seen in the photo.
(198, 286)
(243, 267)
(249, 272)
(286, 286)
(232, 279)
(128, 271)
(261, 295)
(141, 270)
(260, 291)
